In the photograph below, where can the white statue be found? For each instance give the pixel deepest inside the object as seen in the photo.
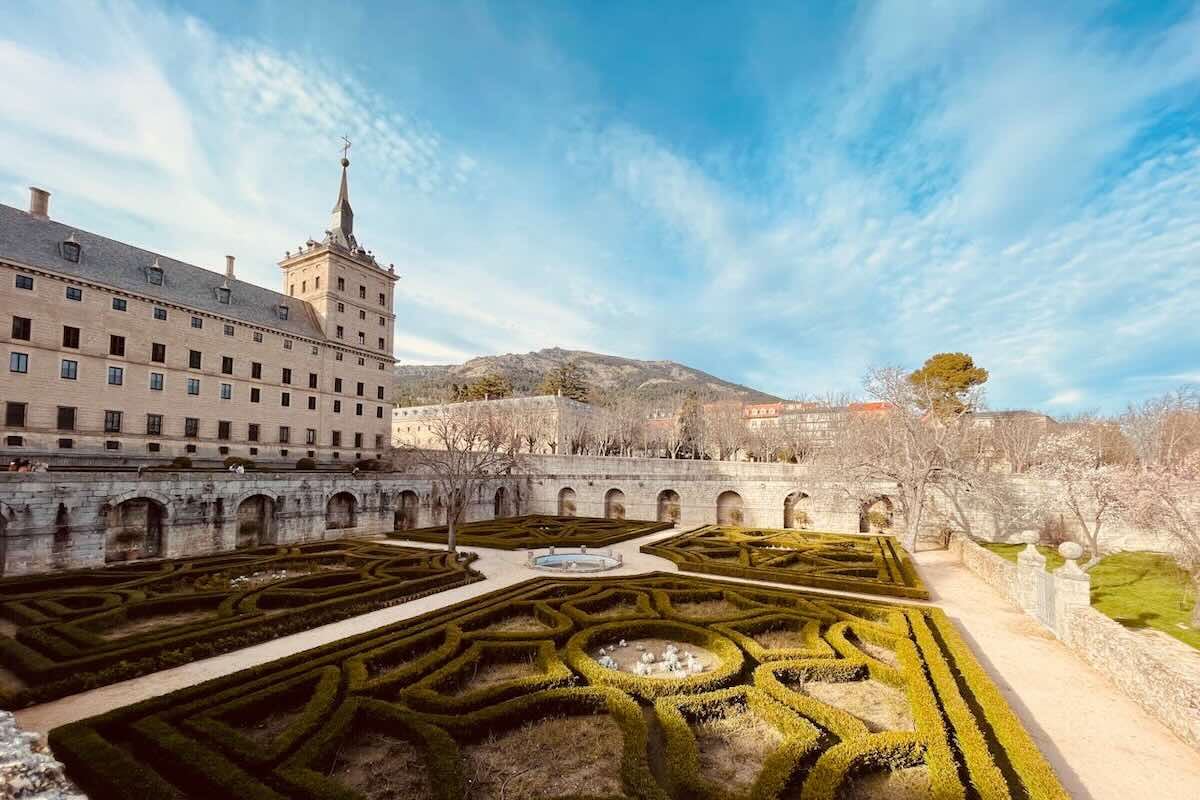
(647, 658)
(608, 662)
(623, 643)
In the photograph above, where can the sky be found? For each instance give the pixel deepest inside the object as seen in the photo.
(782, 194)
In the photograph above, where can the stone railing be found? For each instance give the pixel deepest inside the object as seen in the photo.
(1144, 669)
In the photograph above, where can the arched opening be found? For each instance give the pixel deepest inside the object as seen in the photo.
(500, 503)
(875, 515)
(614, 504)
(254, 517)
(730, 509)
(669, 507)
(405, 517)
(133, 529)
(341, 511)
(795, 511)
(566, 502)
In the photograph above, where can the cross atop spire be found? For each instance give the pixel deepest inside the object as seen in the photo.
(341, 231)
(346, 149)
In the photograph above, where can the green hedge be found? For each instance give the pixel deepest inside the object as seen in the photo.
(537, 531)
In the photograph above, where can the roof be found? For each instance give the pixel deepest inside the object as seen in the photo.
(36, 242)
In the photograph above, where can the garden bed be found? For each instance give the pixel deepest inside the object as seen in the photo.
(538, 530)
(447, 705)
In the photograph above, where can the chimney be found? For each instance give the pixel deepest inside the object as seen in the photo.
(39, 202)
(229, 267)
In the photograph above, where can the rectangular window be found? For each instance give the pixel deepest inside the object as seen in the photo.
(193, 386)
(341, 332)
(252, 432)
(155, 275)
(223, 295)
(285, 433)
(255, 394)
(160, 313)
(287, 344)
(362, 362)
(359, 389)
(312, 380)
(337, 384)
(317, 282)
(358, 408)
(316, 350)
(194, 359)
(112, 421)
(362, 338)
(156, 381)
(154, 424)
(362, 314)
(229, 330)
(381, 366)
(14, 414)
(116, 376)
(69, 369)
(256, 370)
(337, 356)
(381, 322)
(358, 440)
(382, 344)
(335, 438)
(312, 404)
(378, 440)
(22, 328)
(310, 436)
(24, 282)
(382, 299)
(337, 406)
(119, 304)
(226, 365)
(362, 292)
(66, 418)
(341, 284)
(223, 428)
(258, 336)
(158, 352)
(379, 412)
(153, 447)
(226, 391)
(74, 293)
(191, 427)
(70, 337)
(303, 286)
(116, 345)
(285, 398)
(197, 322)
(341, 308)
(283, 312)
(378, 392)
(286, 376)
(112, 444)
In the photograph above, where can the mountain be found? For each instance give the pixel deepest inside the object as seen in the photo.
(609, 378)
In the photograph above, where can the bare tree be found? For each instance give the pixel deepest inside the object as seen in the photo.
(1164, 429)
(472, 445)
(725, 427)
(1015, 439)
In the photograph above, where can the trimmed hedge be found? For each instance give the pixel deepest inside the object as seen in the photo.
(538, 530)
(425, 681)
(61, 645)
(846, 562)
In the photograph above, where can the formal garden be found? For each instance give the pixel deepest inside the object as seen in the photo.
(66, 632)
(538, 530)
(868, 564)
(661, 686)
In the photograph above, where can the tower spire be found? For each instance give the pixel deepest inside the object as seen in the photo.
(341, 230)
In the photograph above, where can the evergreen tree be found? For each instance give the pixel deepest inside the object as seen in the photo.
(489, 387)
(567, 380)
(944, 380)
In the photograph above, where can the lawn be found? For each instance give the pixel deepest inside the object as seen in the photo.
(538, 530)
(658, 687)
(1138, 590)
(867, 564)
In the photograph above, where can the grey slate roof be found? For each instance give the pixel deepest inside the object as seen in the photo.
(37, 242)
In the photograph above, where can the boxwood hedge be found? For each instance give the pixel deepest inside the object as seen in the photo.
(283, 729)
(538, 530)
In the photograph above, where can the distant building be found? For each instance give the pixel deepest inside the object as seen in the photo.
(542, 424)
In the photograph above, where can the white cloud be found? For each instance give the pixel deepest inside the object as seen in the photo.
(1069, 397)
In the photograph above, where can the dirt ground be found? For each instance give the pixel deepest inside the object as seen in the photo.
(518, 623)
(381, 767)
(153, 623)
(911, 783)
(702, 609)
(879, 706)
(734, 747)
(629, 655)
(492, 674)
(875, 651)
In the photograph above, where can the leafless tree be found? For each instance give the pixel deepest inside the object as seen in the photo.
(1014, 439)
(472, 445)
(1164, 429)
(725, 428)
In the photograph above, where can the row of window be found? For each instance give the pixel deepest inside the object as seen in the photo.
(114, 422)
(341, 286)
(120, 304)
(156, 447)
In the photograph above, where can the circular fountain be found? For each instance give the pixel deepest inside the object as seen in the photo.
(576, 561)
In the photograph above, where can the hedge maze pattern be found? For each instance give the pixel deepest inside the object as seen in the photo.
(539, 530)
(76, 630)
(867, 564)
(503, 696)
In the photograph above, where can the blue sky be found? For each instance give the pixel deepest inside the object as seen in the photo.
(773, 192)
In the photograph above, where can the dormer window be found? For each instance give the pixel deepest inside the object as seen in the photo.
(223, 295)
(155, 274)
(71, 250)
(283, 312)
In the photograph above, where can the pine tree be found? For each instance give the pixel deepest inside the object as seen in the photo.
(567, 380)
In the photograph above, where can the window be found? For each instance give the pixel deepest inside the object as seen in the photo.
(158, 352)
(292, 290)
(154, 424)
(362, 314)
(286, 375)
(382, 299)
(378, 440)
(335, 438)
(337, 356)
(287, 344)
(312, 404)
(223, 428)
(156, 381)
(359, 388)
(112, 444)
(226, 365)
(310, 436)
(255, 394)
(197, 322)
(253, 451)
(153, 447)
(362, 361)
(379, 412)
(337, 406)
(256, 370)
(66, 418)
(341, 284)
(223, 296)
(341, 332)
(155, 275)
(362, 338)
(378, 392)
(258, 336)
(285, 433)
(194, 359)
(74, 293)
(116, 376)
(223, 450)
(382, 346)
(22, 328)
(226, 391)
(229, 330)
(66, 444)
(191, 427)
(193, 386)
(381, 366)
(303, 286)
(285, 398)
(70, 337)
(119, 304)
(24, 282)
(362, 292)
(317, 282)
(341, 308)
(283, 312)
(358, 440)
(116, 345)
(112, 421)
(312, 380)
(71, 250)
(358, 409)
(337, 384)
(252, 432)
(381, 322)
(160, 313)
(191, 448)
(14, 415)
(69, 369)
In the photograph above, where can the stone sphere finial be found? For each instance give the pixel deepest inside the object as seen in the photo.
(1070, 550)
(1029, 536)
